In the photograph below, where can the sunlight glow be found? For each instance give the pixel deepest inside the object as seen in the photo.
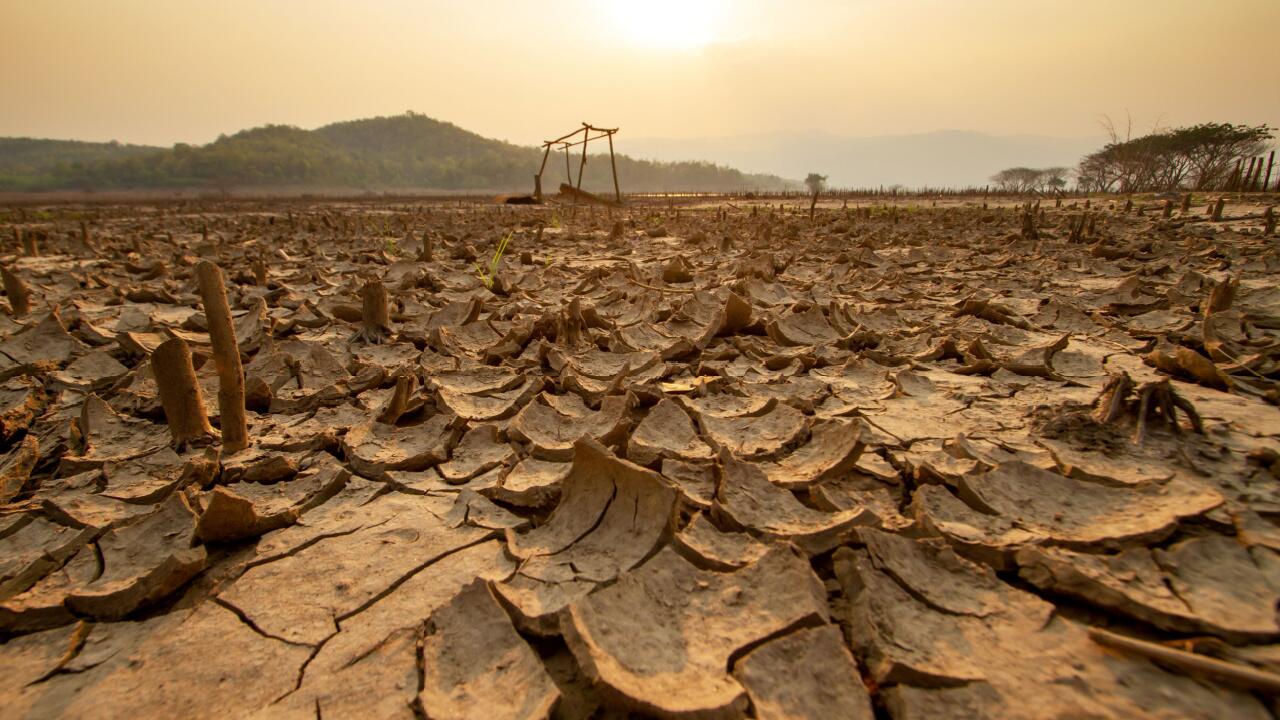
(668, 24)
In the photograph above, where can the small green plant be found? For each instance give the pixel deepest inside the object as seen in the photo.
(391, 246)
(555, 220)
(487, 277)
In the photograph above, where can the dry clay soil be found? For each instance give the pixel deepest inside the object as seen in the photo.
(713, 462)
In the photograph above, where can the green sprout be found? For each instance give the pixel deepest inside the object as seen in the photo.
(487, 278)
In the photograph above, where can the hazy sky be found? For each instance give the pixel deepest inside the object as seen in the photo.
(161, 71)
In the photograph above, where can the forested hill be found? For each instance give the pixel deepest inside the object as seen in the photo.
(404, 151)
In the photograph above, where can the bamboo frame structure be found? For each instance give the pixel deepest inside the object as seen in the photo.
(571, 140)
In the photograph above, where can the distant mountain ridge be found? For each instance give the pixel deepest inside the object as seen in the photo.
(401, 151)
(945, 158)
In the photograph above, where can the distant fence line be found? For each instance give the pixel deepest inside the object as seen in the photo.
(16, 199)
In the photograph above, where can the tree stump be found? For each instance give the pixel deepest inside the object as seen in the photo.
(375, 319)
(1217, 209)
(180, 395)
(226, 357)
(425, 254)
(259, 269)
(16, 290)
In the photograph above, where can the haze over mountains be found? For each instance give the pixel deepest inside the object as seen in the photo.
(415, 151)
(947, 158)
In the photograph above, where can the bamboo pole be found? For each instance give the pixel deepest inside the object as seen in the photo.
(1238, 675)
(226, 357)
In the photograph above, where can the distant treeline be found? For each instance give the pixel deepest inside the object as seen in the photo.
(1210, 156)
(404, 151)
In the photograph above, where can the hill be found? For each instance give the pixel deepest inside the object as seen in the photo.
(403, 151)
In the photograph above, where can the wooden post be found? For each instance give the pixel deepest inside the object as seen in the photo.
(180, 395)
(226, 357)
(586, 135)
(1217, 209)
(1247, 185)
(617, 193)
(1186, 203)
(537, 179)
(1270, 161)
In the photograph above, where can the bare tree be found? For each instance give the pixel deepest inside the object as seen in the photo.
(816, 183)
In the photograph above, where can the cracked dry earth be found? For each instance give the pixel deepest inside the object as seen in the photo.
(713, 463)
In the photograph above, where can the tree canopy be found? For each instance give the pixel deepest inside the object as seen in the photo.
(1022, 179)
(1201, 157)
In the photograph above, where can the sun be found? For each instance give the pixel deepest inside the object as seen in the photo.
(667, 24)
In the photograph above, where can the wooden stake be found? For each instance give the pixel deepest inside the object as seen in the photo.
(226, 357)
(180, 395)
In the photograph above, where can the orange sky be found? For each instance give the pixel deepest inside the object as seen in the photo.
(160, 71)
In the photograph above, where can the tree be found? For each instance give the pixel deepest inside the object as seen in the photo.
(1018, 179)
(815, 182)
(1054, 179)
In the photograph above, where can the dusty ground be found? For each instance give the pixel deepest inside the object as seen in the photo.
(719, 462)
